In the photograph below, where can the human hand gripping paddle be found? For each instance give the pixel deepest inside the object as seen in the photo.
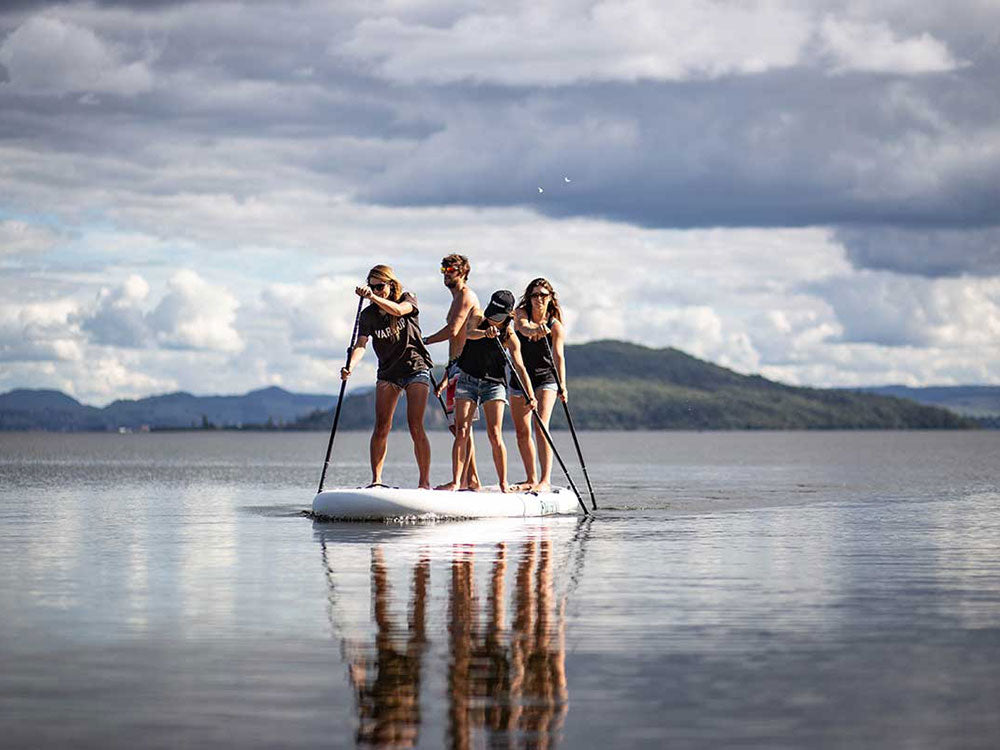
(569, 419)
(541, 426)
(340, 399)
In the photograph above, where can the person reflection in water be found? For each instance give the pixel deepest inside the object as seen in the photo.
(387, 688)
(513, 687)
(506, 687)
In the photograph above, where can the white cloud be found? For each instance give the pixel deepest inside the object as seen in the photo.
(116, 376)
(892, 310)
(560, 43)
(700, 331)
(20, 237)
(195, 314)
(875, 48)
(118, 318)
(46, 55)
(40, 331)
(319, 316)
(854, 365)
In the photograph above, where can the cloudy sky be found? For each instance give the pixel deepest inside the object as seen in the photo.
(189, 191)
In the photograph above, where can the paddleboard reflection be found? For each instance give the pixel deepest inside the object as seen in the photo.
(454, 633)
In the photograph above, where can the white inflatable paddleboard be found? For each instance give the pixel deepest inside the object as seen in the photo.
(378, 503)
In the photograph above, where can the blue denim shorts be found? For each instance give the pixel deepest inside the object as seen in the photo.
(515, 391)
(423, 376)
(479, 391)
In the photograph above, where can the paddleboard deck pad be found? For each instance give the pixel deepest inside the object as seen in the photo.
(382, 503)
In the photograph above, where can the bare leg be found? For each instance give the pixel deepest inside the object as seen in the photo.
(463, 434)
(494, 423)
(386, 398)
(525, 444)
(546, 402)
(416, 402)
(470, 475)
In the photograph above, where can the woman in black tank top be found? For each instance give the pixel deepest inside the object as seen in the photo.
(538, 322)
(482, 380)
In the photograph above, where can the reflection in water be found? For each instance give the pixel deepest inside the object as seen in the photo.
(503, 633)
(387, 687)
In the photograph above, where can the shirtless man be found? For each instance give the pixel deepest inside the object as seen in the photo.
(464, 303)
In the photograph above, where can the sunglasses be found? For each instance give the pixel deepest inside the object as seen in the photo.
(449, 269)
(539, 295)
(377, 285)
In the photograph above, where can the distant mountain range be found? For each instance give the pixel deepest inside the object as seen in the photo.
(51, 410)
(613, 385)
(968, 400)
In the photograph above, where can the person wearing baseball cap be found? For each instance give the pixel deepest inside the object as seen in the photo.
(482, 380)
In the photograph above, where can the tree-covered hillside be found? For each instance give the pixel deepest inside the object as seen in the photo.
(617, 385)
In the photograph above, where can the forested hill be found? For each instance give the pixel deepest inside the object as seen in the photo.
(613, 385)
(617, 385)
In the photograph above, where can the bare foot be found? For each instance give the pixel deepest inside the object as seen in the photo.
(449, 487)
(524, 486)
(504, 487)
(542, 487)
(424, 486)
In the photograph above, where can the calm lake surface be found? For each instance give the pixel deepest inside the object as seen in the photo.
(735, 589)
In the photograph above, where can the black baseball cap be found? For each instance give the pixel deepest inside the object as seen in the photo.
(501, 305)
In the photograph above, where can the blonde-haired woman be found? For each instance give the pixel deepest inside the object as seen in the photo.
(539, 328)
(392, 321)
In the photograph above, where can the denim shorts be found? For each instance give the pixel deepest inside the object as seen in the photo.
(479, 391)
(452, 373)
(515, 391)
(423, 376)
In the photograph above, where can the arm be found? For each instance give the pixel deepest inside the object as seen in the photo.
(397, 309)
(528, 329)
(356, 354)
(514, 347)
(472, 329)
(559, 356)
(457, 313)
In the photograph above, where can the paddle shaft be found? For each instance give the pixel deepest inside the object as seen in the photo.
(569, 420)
(340, 398)
(434, 385)
(543, 428)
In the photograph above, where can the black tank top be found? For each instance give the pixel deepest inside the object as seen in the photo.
(484, 358)
(538, 363)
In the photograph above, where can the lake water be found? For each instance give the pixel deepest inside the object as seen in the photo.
(734, 589)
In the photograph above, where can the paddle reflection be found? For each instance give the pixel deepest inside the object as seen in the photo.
(503, 634)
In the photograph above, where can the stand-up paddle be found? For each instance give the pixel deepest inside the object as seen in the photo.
(544, 430)
(434, 385)
(569, 419)
(340, 399)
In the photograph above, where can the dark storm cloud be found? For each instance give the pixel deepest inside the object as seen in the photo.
(792, 145)
(781, 149)
(930, 253)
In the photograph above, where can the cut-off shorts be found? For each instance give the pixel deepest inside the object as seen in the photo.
(515, 391)
(421, 376)
(452, 373)
(479, 391)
